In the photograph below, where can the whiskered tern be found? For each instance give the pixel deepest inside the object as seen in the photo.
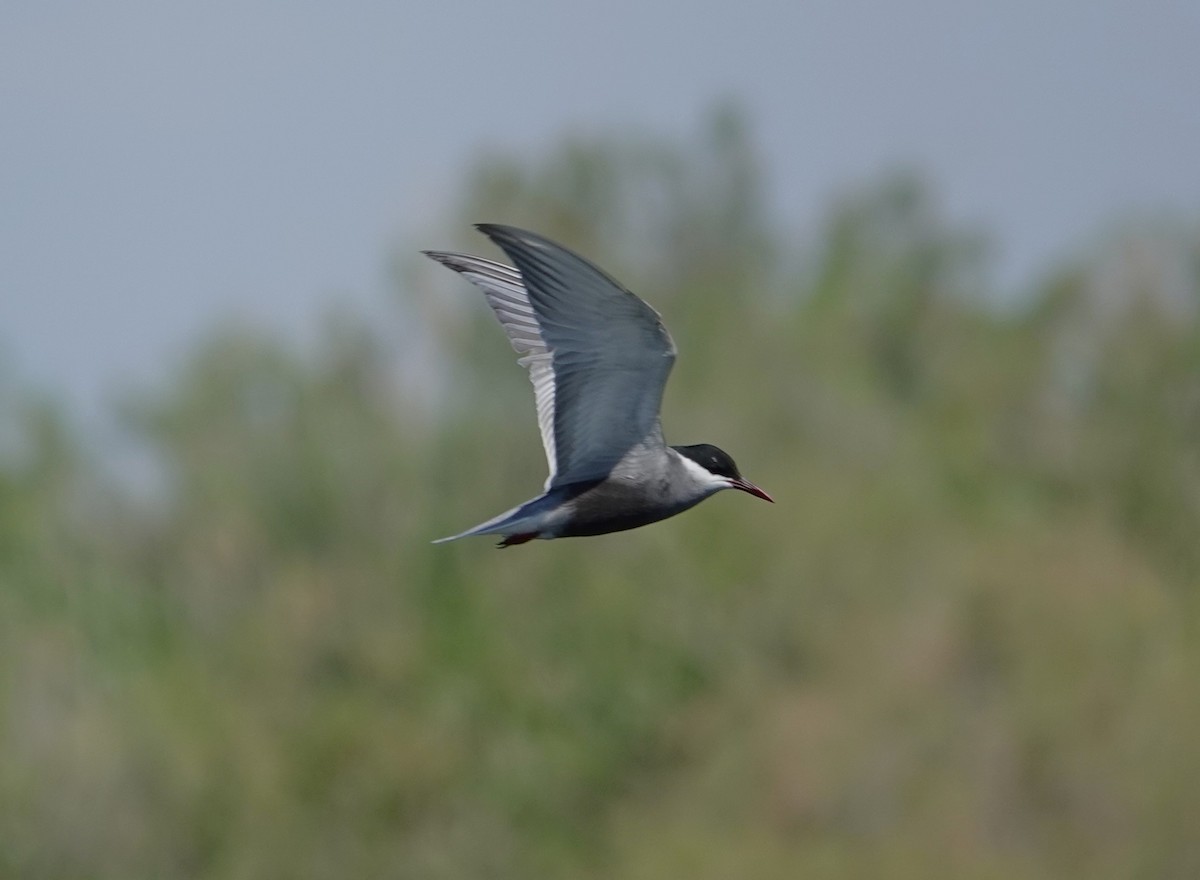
(598, 357)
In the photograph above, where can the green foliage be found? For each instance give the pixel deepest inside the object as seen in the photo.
(962, 645)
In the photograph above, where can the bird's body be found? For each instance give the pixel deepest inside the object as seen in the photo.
(598, 357)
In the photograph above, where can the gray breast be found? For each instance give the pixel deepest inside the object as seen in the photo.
(647, 486)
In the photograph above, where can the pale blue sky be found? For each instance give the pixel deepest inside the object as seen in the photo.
(166, 165)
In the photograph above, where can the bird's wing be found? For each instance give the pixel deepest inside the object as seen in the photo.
(609, 353)
(505, 293)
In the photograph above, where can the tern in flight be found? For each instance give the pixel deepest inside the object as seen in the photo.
(598, 357)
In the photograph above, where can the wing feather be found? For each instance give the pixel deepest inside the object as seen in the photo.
(611, 354)
(598, 356)
(506, 295)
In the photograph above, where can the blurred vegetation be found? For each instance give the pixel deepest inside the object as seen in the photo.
(962, 645)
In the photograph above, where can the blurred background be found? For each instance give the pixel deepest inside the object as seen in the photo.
(934, 275)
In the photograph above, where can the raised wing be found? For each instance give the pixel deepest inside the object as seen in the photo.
(609, 353)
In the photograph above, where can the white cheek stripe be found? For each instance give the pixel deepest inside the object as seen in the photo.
(702, 477)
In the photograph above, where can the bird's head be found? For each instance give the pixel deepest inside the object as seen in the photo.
(717, 468)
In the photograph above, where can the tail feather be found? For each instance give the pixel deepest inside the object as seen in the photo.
(525, 518)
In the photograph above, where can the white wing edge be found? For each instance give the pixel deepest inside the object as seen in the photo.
(505, 293)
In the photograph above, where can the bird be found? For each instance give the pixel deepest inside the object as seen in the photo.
(598, 357)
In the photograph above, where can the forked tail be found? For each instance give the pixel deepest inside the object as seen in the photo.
(522, 523)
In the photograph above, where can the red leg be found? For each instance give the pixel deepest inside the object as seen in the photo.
(519, 538)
